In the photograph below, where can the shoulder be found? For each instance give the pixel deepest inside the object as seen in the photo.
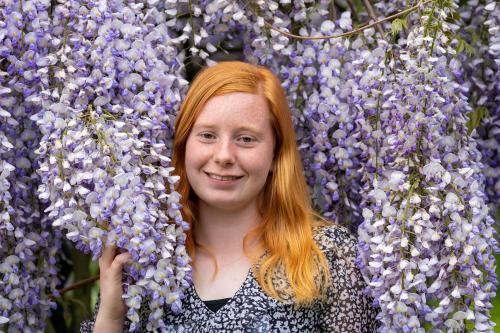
(345, 307)
(336, 240)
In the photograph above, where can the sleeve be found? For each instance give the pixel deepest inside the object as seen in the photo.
(346, 308)
(87, 326)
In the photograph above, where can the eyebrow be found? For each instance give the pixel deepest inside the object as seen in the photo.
(241, 128)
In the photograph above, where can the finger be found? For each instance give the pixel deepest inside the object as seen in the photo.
(119, 261)
(107, 256)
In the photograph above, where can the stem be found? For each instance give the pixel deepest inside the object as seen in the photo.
(349, 33)
(102, 140)
(410, 193)
(467, 215)
(427, 26)
(101, 136)
(60, 164)
(402, 280)
(333, 11)
(352, 7)
(377, 119)
(65, 39)
(65, 35)
(371, 12)
(403, 226)
(22, 30)
(434, 38)
(78, 284)
(190, 4)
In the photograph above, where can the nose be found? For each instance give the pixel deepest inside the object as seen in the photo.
(224, 154)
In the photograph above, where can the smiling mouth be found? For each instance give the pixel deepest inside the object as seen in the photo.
(223, 178)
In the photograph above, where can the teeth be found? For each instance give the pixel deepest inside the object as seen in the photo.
(223, 177)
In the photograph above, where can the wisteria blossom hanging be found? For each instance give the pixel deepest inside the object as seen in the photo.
(28, 247)
(427, 239)
(482, 29)
(106, 123)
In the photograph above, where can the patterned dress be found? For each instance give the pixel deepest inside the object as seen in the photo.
(344, 309)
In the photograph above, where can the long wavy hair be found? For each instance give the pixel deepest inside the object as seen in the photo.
(286, 228)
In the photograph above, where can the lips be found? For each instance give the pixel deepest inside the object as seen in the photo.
(222, 177)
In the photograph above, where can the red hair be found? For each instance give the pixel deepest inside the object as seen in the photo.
(287, 216)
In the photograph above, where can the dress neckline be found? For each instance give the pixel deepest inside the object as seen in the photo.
(215, 304)
(229, 299)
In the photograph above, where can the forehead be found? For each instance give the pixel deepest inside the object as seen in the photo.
(241, 108)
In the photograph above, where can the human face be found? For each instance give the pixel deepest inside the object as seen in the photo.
(229, 152)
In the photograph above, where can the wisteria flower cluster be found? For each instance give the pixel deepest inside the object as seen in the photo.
(475, 67)
(106, 124)
(427, 239)
(102, 157)
(28, 247)
(480, 74)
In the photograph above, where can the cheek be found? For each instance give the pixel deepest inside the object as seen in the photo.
(192, 167)
(261, 165)
(192, 156)
(268, 159)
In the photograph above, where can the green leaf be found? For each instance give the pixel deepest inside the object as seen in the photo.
(397, 25)
(460, 45)
(454, 16)
(475, 118)
(469, 49)
(469, 325)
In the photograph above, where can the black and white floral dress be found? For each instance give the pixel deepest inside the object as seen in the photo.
(345, 308)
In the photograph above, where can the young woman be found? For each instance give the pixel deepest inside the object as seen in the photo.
(263, 260)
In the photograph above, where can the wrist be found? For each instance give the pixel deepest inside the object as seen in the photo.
(108, 324)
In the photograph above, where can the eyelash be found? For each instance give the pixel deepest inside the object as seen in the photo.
(243, 138)
(206, 135)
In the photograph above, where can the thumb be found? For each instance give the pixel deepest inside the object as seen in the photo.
(115, 271)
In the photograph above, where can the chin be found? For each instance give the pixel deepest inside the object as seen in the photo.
(226, 205)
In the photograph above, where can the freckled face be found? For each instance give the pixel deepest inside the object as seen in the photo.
(229, 151)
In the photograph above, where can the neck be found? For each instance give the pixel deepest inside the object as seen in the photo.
(223, 231)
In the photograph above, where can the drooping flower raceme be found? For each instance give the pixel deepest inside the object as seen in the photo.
(427, 237)
(28, 247)
(482, 32)
(107, 123)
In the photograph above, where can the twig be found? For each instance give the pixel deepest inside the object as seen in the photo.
(352, 6)
(78, 284)
(349, 33)
(332, 11)
(371, 12)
